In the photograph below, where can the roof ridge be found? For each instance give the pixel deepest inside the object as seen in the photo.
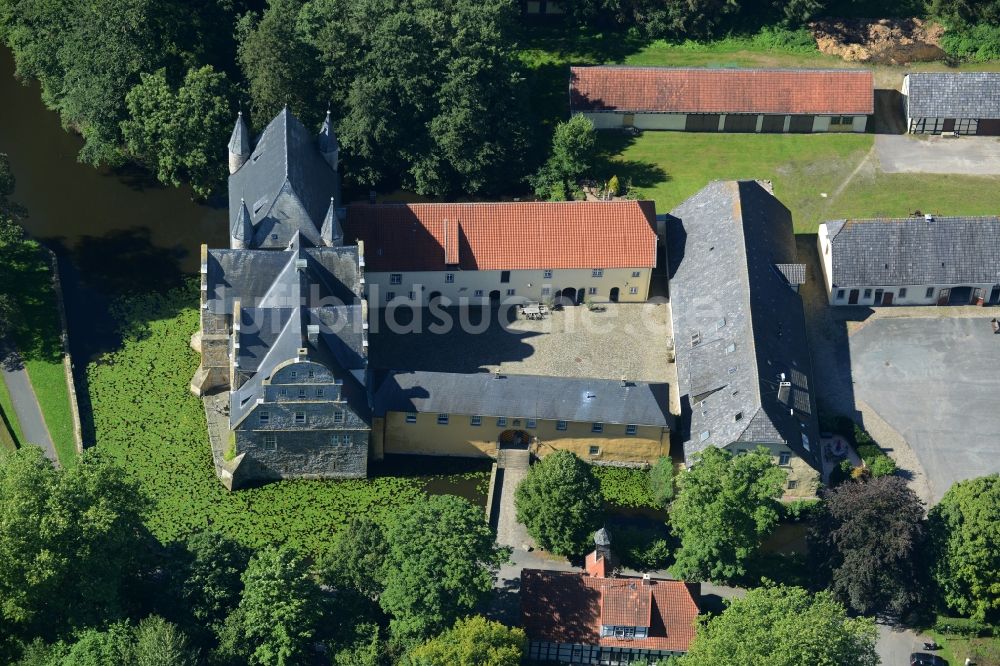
(830, 70)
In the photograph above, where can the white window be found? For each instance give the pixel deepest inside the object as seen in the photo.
(442, 419)
(731, 348)
(412, 296)
(793, 484)
(511, 292)
(300, 417)
(338, 416)
(561, 425)
(263, 417)
(840, 294)
(902, 292)
(633, 290)
(595, 451)
(597, 272)
(501, 421)
(389, 295)
(478, 293)
(283, 392)
(312, 374)
(597, 427)
(546, 291)
(631, 429)
(784, 457)
(930, 292)
(320, 392)
(476, 420)
(302, 393)
(271, 442)
(294, 374)
(547, 274)
(592, 291)
(449, 278)
(411, 418)
(395, 278)
(868, 293)
(704, 436)
(531, 423)
(636, 274)
(335, 439)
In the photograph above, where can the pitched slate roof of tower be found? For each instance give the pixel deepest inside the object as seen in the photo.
(954, 95)
(239, 140)
(526, 396)
(286, 183)
(569, 607)
(683, 90)
(744, 372)
(505, 236)
(915, 251)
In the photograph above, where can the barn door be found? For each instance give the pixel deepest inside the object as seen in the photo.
(943, 296)
(878, 297)
(949, 125)
(853, 298)
(887, 298)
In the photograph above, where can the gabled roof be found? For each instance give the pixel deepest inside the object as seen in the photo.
(954, 95)
(682, 90)
(742, 356)
(505, 236)
(286, 184)
(566, 607)
(915, 251)
(525, 396)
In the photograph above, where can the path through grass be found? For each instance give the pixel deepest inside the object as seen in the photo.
(8, 437)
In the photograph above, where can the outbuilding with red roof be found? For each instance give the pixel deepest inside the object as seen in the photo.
(723, 99)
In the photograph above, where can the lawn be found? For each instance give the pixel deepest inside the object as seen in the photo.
(145, 417)
(982, 651)
(48, 378)
(9, 437)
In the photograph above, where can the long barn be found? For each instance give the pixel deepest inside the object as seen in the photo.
(723, 100)
(960, 102)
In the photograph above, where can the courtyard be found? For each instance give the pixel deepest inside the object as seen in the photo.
(935, 380)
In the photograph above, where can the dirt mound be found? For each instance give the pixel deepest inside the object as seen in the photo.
(883, 41)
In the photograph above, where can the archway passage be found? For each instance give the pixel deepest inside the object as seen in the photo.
(495, 296)
(514, 439)
(960, 296)
(567, 296)
(613, 296)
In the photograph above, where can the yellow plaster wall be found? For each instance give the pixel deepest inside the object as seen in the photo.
(798, 470)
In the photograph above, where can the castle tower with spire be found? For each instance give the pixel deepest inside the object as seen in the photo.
(239, 145)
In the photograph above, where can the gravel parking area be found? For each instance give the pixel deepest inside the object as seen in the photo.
(612, 341)
(935, 381)
(969, 155)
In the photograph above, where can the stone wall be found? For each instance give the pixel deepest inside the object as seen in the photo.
(301, 454)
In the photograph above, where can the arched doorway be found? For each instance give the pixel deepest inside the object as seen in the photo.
(495, 296)
(579, 295)
(995, 295)
(567, 296)
(614, 294)
(434, 295)
(514, 439)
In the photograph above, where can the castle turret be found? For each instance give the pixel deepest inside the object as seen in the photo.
(331, 232)
(241, 232)
(239, 145)
(328, 145)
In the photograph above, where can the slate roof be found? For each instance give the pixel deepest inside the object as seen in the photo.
(568, 607)
(505, 236)
(282, 294)
(953, 95)
(915, 251)
(524, 396)
(682, 90)
(286, 183)
(742, 356)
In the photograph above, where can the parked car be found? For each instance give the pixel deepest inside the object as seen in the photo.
(926, 659)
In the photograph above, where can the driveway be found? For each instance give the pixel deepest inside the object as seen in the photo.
(935, 381)
(896, 644)
(970, 155)
(29, 414)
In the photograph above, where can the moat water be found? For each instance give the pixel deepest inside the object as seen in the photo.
(114, 230)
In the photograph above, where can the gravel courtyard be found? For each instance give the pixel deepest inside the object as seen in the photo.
(936, 381)
(968, 155)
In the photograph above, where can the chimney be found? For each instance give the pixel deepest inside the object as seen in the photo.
(312, 333)
(646, 580)
(301, 264)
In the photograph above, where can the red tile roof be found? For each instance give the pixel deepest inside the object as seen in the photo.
(669, 90)
(570, 608)
(505, 236)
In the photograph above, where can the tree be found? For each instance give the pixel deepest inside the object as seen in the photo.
(280, 67)
(357, 558)
(661, 480)
(180, 133)
(157, 642)
(213, 577)
(279, 612)
(784, 626)
(6, 177)
(574, 150)
(474, 641)
(93, 647)
(559, 501)
(870, 536)
(442, 561)
(70, 542)
(724, 507)
(965, 535)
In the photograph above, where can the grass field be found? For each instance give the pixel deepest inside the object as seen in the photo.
(38, 339)
(8, 438)
(955, 649)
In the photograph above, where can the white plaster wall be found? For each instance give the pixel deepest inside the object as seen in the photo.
(527, 284)
(607, 120)
(661, 121)
(916, 294)
(825, 258)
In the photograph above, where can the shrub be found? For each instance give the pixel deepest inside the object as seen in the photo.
(974, 43)
(882, 466)
(640, 547)
(800, 510)
(625, 486)
(776, 38)
(661, 481)
(962, 626)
